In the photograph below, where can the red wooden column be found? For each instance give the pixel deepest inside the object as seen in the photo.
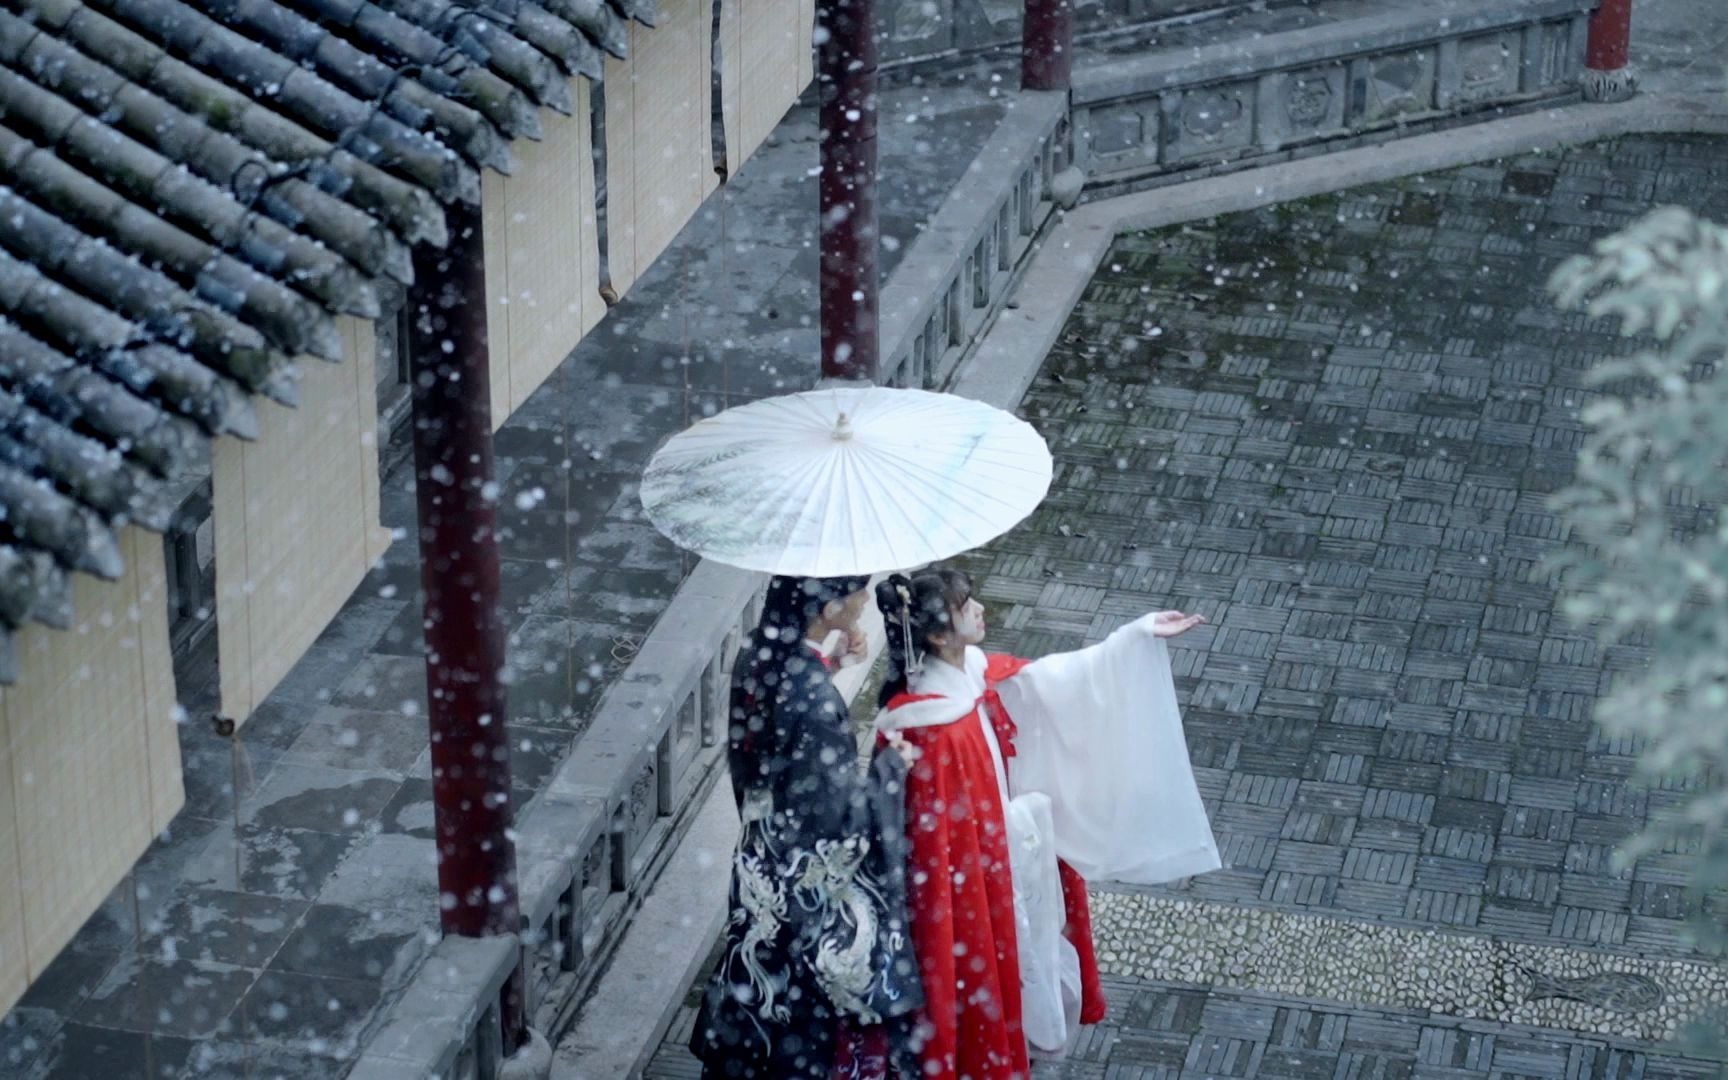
(1047, 45)
(1607, 62)
(849, 285)
(459, 573)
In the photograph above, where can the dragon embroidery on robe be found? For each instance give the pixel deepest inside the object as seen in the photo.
(832, 890)
(844, 905)
(761, 912)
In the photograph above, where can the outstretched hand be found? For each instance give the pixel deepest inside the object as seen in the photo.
(908, 752)
(1168, 624)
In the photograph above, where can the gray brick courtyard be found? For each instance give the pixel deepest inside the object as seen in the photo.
(1332, 427)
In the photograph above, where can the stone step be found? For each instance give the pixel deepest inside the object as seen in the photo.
(1272, 81)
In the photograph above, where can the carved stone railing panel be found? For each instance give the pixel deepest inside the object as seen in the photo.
(1166, 112)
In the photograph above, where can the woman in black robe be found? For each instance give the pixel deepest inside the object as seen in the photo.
(817, 976)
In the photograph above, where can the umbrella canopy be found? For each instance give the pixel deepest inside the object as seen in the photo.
(846, 481)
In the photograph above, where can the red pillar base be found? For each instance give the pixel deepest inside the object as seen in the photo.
(1607, 67)
(1608, 86)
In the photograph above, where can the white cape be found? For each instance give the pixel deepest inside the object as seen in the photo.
(1100, 734)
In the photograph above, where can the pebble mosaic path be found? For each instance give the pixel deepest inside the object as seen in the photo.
(1332, 427)
(1364, 962)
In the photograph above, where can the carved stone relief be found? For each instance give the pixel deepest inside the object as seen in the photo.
(1298, 105)
(689, 718)
(1211, 119)
(715, 696)
(1386, 86)
(642, 803)
(1310, 101)
(1116, 130)
(1547, 56)
(595, 875)
(1488, 66)
(1208, 114)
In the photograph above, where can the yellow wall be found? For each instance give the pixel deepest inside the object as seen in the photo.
(89, 759)
(542, 256)
(659, 152)
(766, 62)
(673, 143)
(296, 521)
(542, 239)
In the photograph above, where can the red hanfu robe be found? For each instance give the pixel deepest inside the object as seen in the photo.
(961, 895)
(1032, 777)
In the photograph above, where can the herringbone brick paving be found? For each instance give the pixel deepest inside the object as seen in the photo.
(1332, 427)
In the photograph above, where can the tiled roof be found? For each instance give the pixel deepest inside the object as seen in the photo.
(191, 191)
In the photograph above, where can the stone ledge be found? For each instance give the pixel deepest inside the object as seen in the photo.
(1008, 358)
(589, 844)
(583, 795)
(662, 951)
(550, 849)
(957, 226)
(939, 260)
(372, 1067)
(1254, 188)
(428, 1027)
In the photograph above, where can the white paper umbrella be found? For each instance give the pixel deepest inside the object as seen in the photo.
(846, 481)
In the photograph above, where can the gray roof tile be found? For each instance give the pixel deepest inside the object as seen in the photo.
(191, 191)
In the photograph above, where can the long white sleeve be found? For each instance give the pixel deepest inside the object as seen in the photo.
(1100, 734)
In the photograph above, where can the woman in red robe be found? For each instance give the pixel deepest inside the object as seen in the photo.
(1001, 928)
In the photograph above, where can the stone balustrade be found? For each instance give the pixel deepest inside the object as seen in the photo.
(956, 274)
(1372, 67)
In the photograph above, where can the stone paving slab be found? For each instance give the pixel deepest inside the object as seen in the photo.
(1331, 426)
(301, 873)
(1185, 1031)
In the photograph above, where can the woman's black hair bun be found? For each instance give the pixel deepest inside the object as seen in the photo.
(891, 593)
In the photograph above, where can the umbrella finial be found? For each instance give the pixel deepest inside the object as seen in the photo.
(842, 428)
